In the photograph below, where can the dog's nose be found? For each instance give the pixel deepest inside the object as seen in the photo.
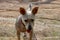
(29, 27)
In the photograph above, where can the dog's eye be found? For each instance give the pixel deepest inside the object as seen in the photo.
(32, 20)
(26, 20)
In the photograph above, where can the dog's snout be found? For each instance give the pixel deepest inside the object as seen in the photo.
(29, 27)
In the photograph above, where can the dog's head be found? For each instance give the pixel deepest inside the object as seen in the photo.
(28, 17)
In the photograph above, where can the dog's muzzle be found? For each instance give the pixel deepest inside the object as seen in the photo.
(29, 29)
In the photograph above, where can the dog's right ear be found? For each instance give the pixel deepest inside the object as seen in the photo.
(22, 11)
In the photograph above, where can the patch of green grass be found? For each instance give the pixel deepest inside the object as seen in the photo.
(55, 22)
(54, 33)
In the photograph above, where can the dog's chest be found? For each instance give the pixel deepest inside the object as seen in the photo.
(20, 25)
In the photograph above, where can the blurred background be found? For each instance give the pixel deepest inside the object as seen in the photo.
(47, 21)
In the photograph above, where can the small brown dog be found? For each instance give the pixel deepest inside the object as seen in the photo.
(25, 22)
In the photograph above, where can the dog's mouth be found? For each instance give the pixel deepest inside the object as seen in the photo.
(28, 31)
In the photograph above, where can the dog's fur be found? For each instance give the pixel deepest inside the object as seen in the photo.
(25, 21)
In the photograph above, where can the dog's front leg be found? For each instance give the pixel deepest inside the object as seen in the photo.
(25, 37)
(18, 35)
(31, 35)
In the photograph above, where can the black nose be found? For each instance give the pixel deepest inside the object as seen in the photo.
(29, 27)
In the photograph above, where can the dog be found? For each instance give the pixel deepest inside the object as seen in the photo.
(25, 21)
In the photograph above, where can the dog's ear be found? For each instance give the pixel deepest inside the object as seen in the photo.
(22, 11)
(35, 9)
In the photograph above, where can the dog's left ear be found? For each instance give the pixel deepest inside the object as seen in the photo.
(34, 11)
(22, 11)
